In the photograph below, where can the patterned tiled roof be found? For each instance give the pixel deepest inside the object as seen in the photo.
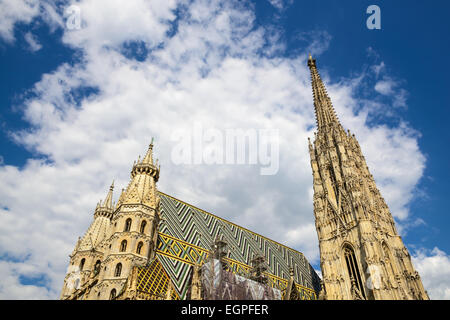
(186, 235)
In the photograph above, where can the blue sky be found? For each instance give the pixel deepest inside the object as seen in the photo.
(78, 106)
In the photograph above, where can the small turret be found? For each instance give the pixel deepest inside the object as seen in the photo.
(106, 208)
(142, 186)
(146, 166)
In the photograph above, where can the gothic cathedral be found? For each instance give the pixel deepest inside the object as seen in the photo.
(361, 254)
(150, 245)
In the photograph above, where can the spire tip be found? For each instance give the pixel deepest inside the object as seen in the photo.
(151, 143)
(311, 61)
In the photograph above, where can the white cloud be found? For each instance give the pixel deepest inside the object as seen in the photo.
(389, 87)
(33, 43)
(434, 269)
(13, 11)
(12, 288)
(385, 87)
(304, 236)
(208, 72)
(107, 23)
(281, 4)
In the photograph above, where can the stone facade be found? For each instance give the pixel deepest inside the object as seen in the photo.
(362, 255)
(121, 237)
(153, 246)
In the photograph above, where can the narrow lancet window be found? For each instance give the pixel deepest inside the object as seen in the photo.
(82, 264)
(123, 246)
(143, 224)
(112, 296)
(118, 270)
(139, 247)
(353, 269)
(127, 225)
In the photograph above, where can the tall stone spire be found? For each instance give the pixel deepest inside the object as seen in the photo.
(362, 256)
(325, 114)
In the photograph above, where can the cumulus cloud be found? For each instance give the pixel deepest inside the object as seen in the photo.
(434, 269)
(14, 11)
(210, 67)
(14, 285)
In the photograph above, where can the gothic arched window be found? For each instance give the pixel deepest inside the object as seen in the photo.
(123, 246)
(127, 225)
(353, 269)
(82, 264)
(139, 247)
(112, 295)
(97, 267)
(118, 270)
(143, 224)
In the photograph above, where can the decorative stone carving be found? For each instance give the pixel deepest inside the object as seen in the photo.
(360, 218)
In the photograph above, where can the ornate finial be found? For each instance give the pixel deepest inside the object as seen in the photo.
(311, 62)
(112, 186)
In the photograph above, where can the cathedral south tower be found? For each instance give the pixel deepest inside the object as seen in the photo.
(362, 256)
